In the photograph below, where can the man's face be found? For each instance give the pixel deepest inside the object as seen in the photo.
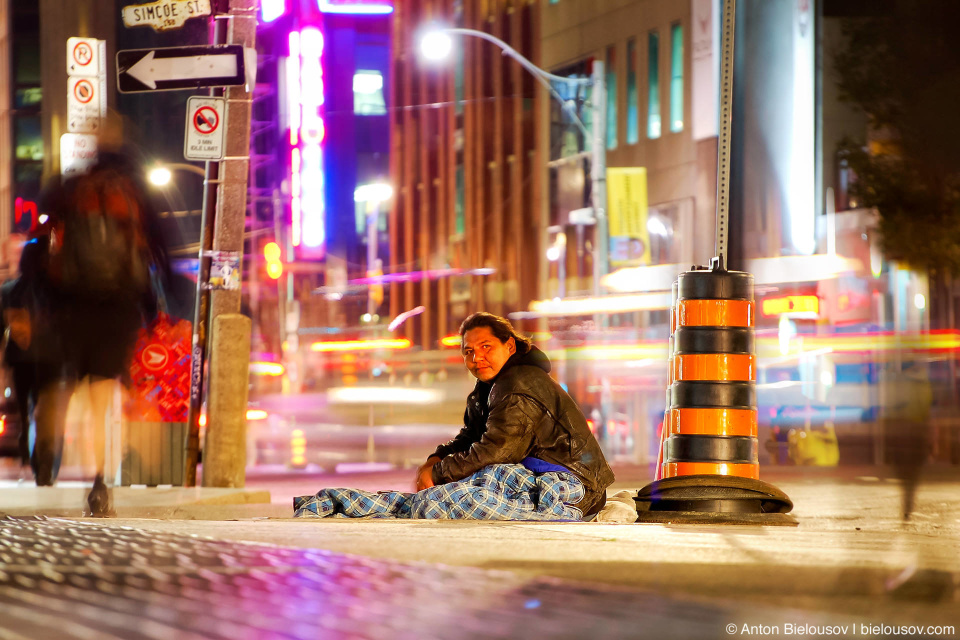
(484, 354)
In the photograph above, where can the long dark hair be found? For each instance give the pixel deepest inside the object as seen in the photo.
(33, 258)
(499, 327)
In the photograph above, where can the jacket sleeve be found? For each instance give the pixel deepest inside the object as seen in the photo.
(461, 441)
(509, 436)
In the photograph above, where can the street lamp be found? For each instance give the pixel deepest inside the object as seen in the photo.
(557, 252)
(160, 175)
(373, 195)
(437, 43)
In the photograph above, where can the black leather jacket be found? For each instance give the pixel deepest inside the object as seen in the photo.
(523, 412)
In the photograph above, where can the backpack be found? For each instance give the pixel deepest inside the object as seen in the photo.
(103, 252)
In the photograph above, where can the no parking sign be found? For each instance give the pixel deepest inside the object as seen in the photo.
(205, 126)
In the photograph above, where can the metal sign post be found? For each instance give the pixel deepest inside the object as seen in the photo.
(222, 223)
(726, 124)
(198, 351)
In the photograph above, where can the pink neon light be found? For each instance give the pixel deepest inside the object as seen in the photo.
(313, 90)
(416, 276)
(311, 41)
(293, 87)
(355, 6)
(314, 132)
(270, 10)
(312, 201)
(295, 213)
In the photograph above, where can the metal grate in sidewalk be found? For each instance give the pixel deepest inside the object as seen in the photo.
(67, 579)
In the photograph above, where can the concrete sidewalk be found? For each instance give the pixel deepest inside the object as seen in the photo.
(851, 555)
(68, 499)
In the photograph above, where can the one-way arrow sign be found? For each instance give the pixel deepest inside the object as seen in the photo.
(167, 69)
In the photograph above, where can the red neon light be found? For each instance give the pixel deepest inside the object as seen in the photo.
(25, 207)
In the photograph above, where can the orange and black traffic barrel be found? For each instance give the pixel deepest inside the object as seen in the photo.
(712, 404)
(709, 465)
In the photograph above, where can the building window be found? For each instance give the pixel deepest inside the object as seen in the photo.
(459, 72)
(554, 1)
(368, 93)
(28, 97)
(653, 92)
(611, 83)
(459, 205)
(633, 96)
(28, 139)
(676, 77)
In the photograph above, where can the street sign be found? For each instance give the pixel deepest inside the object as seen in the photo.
(164, 15)
(205, 127)
(78, 152)
(83, 57)
(83, 105)
(86, 84)
(172, 68)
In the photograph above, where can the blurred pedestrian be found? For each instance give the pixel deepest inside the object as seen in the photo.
(106, 263)
(31, 355)
(517, 414)
(908, 398)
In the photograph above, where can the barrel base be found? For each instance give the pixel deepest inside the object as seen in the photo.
(711, 499)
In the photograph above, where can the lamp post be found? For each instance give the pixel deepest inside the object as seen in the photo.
(373, 195)
(437, 44)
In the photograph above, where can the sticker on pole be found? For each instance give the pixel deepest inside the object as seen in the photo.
(224, 270)
(205, 127)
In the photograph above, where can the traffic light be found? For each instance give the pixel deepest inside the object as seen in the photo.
(271, 252)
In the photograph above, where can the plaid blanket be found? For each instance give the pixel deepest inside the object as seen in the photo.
(497, 492)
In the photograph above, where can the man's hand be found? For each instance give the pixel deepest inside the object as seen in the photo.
(424, 478)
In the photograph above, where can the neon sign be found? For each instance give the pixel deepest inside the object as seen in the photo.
(790, 304)
(270, 10)
(360, 7)
(307, 133)
(23, 208)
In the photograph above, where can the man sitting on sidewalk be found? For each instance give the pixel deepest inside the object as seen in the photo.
(517, 414)
(524, 453)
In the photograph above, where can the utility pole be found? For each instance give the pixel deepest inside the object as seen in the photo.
(374, 266)
(598, 175)
(229, 359)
